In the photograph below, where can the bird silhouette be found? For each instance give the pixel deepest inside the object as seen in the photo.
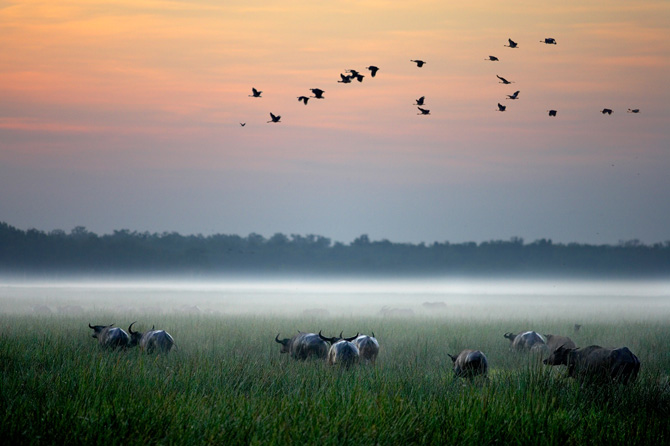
(503, 80)
(552, 112)
(274, 118)
(606, 111)
(423, 111)
(512, 44)
(633, 110)
(373, 70)
(420, 100)
(243, 124)
(419, 63)
(344, 79)
(515, 95)
(501, 107)
(304, 99)
(549, 41)
(255, 93)
(356, 75)
(492, 59)
(318, 93)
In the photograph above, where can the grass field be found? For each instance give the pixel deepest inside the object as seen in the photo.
(226, 383)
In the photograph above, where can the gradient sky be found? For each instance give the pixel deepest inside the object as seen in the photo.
(125, 114)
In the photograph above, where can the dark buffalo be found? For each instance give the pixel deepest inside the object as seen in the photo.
(526, 341)
(368, 347)
(555, 341)
(109, 336)
(342, 351)
(470, 363)
(597, 363)
(152, 340)
(303, 346)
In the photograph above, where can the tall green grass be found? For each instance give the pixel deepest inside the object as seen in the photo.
(226, 383)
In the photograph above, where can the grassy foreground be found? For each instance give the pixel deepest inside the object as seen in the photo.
(227, 384)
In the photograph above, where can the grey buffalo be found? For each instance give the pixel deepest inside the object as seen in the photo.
(343, 351)
(109, 336)
(526, 341)
(555, 341)
(303, 346)
(152, 340)
(597, 363)
(470, 363)
(368, 347)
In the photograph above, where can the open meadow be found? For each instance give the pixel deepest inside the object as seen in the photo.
(226, 382)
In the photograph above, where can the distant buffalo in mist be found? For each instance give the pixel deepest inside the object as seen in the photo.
(368, 347)
(109, 336)
(470, 363)
(303, 346)
(343, 352)
(555, 341)
(151, 341)
(526, 341)
(597, 363)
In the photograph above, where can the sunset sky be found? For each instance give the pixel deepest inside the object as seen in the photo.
(126, 114)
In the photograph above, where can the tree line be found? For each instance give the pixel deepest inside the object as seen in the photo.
(130, 252)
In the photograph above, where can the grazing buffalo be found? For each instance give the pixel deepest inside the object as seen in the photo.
(152, 340)
(526, 341)
(342, 351)
(470, 363)
(109, 336)
(555, 341)
(303, 346)
(597, 363)
(368, 347)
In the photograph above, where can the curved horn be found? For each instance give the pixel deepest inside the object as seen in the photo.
(277, 339)
(373, 334)
(323, 338)
(351, 338)
(89, 326)
(453, 358)
(130, 329)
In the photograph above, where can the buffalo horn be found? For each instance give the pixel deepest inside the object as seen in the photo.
(130, 328)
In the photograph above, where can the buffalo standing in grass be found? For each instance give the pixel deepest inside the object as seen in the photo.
(368, 347)
(597, 363)
(470, 363)
(152, 340)
(526, 341)
(342, 351)
(303, 346)
(109, 336)
(555, 341)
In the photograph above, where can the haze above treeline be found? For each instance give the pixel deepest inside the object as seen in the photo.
(36, 252)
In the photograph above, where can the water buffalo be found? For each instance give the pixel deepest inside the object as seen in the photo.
(303, 346)
(342, 351)
(597, 363)
(109, 336)
(368, 347)
(151, 341)
(470, 363)
(555, 341)
(526, 341)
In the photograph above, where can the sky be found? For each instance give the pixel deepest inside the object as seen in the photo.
(126, 115)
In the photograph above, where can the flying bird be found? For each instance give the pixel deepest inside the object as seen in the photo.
(373, 70)
(255, 93)
(549, 41)
(274, 118)
(243, 124)
(344, 79)
(420, 100)
(633, 110)
(304, 99)
(355, 74)
(515, 95)
(501, 107)
(512, 44)
(419, 63)
(552, 112)
(492, 59)
(318, 93)
(503, 80)
(423, 111)
(606, 111)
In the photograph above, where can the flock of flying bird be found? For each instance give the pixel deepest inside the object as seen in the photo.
(420, 102)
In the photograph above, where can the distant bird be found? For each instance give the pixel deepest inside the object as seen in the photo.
(512, 44)
(420, 100)
(423, 111)
(373, 70)
(344, 79)
(633, 110)
(606, 111)
(552, 112)
(355, 74)
(318, 93)
(419, 63)
(304, 99)
(492, 59)
(243, 124)
(513, 96)
(503, 80)
(501, 107)
(274, 118)
(549, 41)
(256, 93)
